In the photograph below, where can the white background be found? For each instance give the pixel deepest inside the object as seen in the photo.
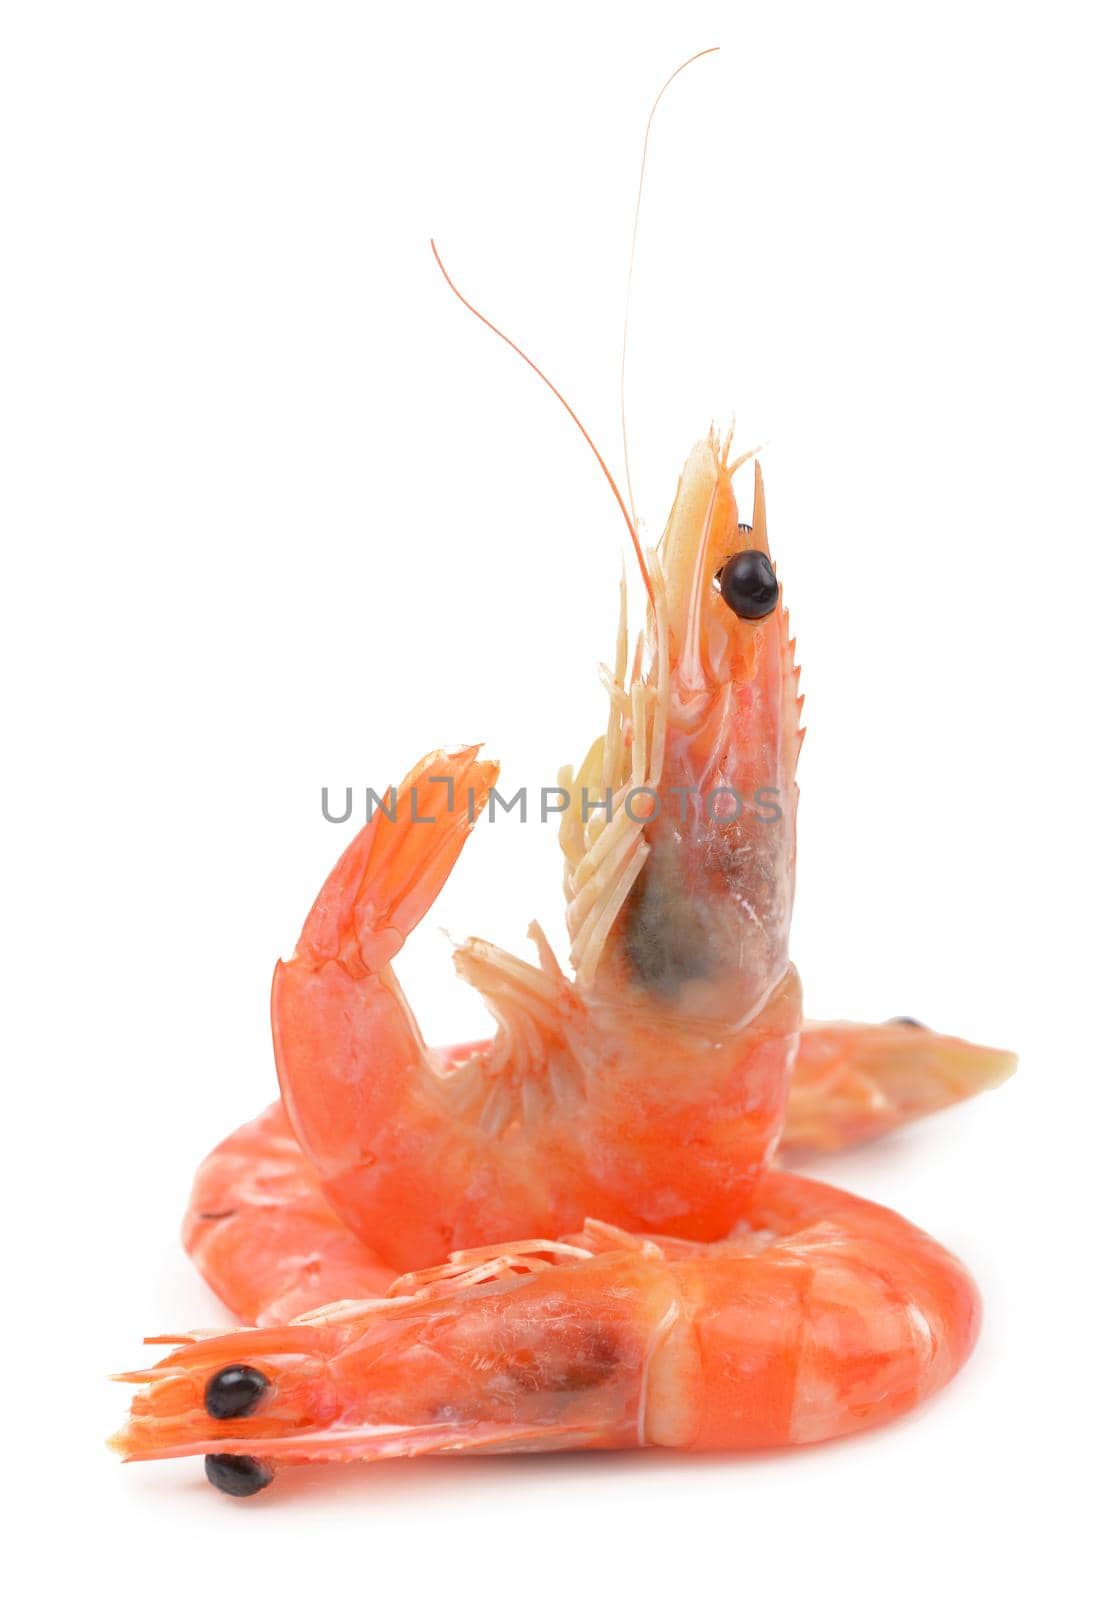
(279, 514)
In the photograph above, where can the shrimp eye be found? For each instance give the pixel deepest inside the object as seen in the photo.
(234, 1392)
(237, 1475)
(748, 585)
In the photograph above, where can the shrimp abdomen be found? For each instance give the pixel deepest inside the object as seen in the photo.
(848, 1318)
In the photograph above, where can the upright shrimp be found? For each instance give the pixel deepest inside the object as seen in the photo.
(678, 1029)
(717, 1302)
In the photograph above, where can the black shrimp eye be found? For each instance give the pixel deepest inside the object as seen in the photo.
(234, 1392)
(238, 1475)
(905, 1022)
(748, 585)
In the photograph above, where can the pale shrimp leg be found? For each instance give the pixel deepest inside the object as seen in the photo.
(855, 1081)
(820, 1315)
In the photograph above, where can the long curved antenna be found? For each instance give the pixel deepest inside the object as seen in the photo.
(570, 412)
(710, 51)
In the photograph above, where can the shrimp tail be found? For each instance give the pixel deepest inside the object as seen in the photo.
(351, 1059)
(393, 871)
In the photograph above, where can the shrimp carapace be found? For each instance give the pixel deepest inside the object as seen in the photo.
(682, 900)
(820, 1315)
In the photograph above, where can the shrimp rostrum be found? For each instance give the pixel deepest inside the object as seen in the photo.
(362, 1224)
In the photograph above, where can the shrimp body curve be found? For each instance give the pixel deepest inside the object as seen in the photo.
(820, 1316)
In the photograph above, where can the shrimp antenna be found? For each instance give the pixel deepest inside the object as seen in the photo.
(570, 412)
(710, 51)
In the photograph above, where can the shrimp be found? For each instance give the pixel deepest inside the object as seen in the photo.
(812, 1314)
(820, 1315)
(680, 1029)
(720, 1302)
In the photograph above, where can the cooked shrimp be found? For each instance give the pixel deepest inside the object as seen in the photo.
(720, 1304)
(819, 1315)
(677, 1032)
(680, 1028)
(650, 1087)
